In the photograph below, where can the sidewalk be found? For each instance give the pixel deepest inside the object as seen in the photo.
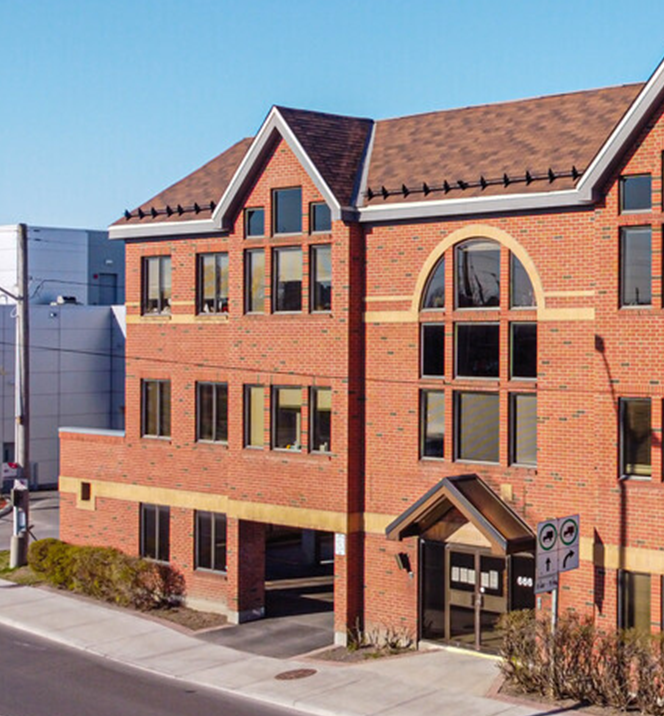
(439, 682)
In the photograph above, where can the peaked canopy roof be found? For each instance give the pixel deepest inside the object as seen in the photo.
(528, 154)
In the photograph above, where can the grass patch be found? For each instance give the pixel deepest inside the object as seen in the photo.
(20, 575)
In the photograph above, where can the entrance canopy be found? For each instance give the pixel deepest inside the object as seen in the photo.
(469, 495)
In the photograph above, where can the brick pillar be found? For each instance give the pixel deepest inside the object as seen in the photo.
(246, 570)
(349, 588)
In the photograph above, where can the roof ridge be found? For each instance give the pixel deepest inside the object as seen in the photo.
(510, 102)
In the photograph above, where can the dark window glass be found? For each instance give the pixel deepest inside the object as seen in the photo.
(155, 532)
(288, 211)
(213, 283)
(524, 350)
(433, 423)
(86, 492)
(254, 415)
(636, 437)
(635, 266)
(211, 541)
(478, 274)
(321, 218)
(521, 288)
(433, 349)
(255, 281)
(157, 408)
(254, 222)
(434, 293)
(322, 420)
(636, 193)
(287, 279)
(524, 429)
(477, 421)
(156, 285)
(478, 350)
(635, 601)
(213, 412)
(287, 418)
(321, 278)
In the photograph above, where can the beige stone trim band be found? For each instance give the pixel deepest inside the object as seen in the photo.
(387, 299)
(566, 314)
(569, 294)
(390, 317)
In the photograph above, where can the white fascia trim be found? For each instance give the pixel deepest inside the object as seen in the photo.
(364, 179)
(274, 121)
(161, 228)
(475, 205)
(623, 132)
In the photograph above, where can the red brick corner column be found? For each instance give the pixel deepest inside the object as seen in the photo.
(246, 570)
(348, 586)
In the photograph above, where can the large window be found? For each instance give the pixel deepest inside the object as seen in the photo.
(211, 541)
(522, 294)
(254, 222)
(432, 422)
(321, 420)
(634, 608)
(478, 274)
(524, 350)
(287, 272)
(155, 532)
(287, 418)
(254, 416)
(478, 350)
(434, 293)
(635, 437)
(254, 281)
(320, 218)
(212, 283)
(477, 418)
(635, 266)
(212, 401)
(156, 420)
(156, 297)
(321, 278)
(636, 193)
(524, 429)
(433, 350)
(287, 211)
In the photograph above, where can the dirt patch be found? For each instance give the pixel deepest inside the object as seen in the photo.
(353, 656)
(189, 619)
(510, 694)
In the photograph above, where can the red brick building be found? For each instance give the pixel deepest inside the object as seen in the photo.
(423, 335)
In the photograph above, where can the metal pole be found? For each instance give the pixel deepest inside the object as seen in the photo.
(19, 544)
(554, 610)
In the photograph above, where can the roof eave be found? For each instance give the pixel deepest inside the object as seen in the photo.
(161, 229)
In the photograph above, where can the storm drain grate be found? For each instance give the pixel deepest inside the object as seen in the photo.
(295, 674)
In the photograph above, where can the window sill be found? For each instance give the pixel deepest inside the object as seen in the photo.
(321, 453)
(635, 478)
(223, 573)
(156, 316)
(217, 443)
(159, 438)
(635, 307)
(214, 317)
(290, 235)
(296, 451)
(468, 461)
(255, 448)
(295, 312)
(432, 459)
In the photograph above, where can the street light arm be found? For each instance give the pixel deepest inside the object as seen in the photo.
(10, 294)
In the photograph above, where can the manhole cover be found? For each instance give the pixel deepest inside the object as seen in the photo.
(295, 674)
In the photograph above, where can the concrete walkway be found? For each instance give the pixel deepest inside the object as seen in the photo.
(440, 682)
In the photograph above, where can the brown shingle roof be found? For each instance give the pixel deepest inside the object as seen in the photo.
(557, 132)
(335, 144)
(201, 186)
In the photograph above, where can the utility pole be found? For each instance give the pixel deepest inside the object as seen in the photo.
(20, 493)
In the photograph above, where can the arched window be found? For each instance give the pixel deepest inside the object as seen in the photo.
(434, 293)
(521, 287)
(478, 274)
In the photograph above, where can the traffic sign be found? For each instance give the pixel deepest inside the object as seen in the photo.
(546, 584)
(547, 535)
(568, 549)
(547, 564)
(557, 550)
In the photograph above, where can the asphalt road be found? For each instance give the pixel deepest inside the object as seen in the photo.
(44, 518)
(40, 678)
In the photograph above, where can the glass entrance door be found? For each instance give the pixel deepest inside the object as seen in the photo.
(476, 597)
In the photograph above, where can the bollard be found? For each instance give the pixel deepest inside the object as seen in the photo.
(18, 550)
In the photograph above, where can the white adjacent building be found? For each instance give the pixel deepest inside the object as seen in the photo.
(77, 339)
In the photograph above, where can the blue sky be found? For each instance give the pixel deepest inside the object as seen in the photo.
(106, 102)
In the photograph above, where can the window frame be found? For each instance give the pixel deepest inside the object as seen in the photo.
(513, 376)
(624, 231)
(440, 264)
(513, 260)
(624, 577)
(247, 410)
(312, 212)
(424, 327)
(216, 387)
(218, 257)
(277, 252)
(159, 510)
(458, 395)
(313, 280)
(213, 516)
(315, 412)
(247, 211)
(275, 211)
(513, 399)
(459, 249)
(297, 443)
(248, 283)
(164, 307)
(460, 324)
(622, 465)
(621, 191)
(424, 423)
(161, 384)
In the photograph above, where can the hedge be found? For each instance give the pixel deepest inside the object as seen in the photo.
(106, 574)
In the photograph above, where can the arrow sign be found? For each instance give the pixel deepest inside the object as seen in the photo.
(569, 559)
